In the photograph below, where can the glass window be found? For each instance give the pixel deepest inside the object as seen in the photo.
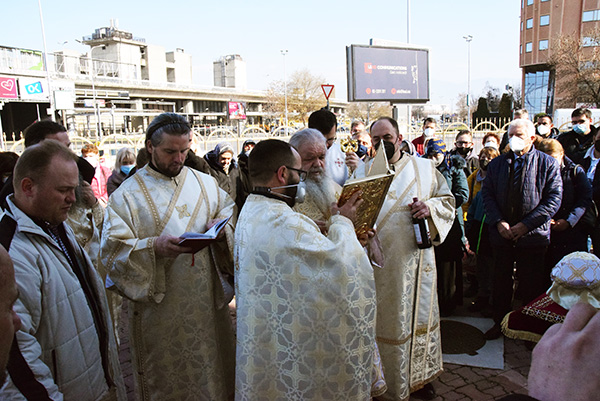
(544, 20)
(544, 0)
(528, 47)
(529, 23)
(543, 44)
(536, 90)
(529, 2)
(592, 15)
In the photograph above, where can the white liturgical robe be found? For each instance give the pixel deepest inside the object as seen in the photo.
(182, 341)
(408, 330)
(305, 307)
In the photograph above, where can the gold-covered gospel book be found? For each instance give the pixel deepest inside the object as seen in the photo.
(374, 189)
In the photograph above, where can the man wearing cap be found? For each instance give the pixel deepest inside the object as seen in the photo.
(180, 330)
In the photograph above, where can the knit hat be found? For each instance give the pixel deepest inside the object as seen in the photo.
(435, 146)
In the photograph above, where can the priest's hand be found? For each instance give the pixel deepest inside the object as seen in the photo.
(564, 364)
(166, 246)
(350, 207)
(352, 161)
(419, 210)
(366, 237)
(211, 223)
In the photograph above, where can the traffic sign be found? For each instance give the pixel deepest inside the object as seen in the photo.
(327, 89)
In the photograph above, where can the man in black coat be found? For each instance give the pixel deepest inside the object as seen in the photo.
(577, 141)
(521, 193)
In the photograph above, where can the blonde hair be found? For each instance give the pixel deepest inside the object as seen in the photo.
(124, 155)
(550, 147)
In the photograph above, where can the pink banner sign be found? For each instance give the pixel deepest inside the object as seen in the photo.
(8, 87)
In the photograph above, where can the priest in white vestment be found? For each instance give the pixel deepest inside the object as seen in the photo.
(408, 323)
(181, 336)
(305, 301)
(321, 190)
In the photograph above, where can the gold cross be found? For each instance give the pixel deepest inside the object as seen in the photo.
(182, 211)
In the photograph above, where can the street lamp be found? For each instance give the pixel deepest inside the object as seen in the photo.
(50, 94)
(468, 38)
(284, 53)
(91, 71)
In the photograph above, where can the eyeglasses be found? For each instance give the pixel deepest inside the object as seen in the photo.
(301, 173)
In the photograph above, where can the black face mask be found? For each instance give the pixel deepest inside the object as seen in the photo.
(390, 149)
(597, 146)
(483, 164)
(463, 151)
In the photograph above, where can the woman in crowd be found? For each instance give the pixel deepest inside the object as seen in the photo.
(449, 254)
(91, 154)
(124, 163)
(477, 232)
(566, 234)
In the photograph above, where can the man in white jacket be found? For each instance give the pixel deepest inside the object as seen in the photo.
(65, 348)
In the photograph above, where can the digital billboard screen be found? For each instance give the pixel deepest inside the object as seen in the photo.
(394, 74)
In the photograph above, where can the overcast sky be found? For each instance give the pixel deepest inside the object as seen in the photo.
(315, 33)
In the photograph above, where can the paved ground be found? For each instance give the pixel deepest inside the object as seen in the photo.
(457, 383)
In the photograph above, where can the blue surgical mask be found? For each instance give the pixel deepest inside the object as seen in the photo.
(127, 169)
(579, 128)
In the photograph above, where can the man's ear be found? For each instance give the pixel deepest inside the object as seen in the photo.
(282, 175)
(27, 186)
(149, 147)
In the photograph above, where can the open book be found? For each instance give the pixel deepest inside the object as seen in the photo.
(374, 188)
(199, 241)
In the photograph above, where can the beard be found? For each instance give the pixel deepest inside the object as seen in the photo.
(315, 174)
(322, 192)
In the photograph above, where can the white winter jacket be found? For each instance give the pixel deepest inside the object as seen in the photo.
(59, 342)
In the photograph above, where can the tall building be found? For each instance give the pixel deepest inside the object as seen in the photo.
(230, 72)
(542, 22)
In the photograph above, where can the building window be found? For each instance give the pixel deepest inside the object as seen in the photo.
(592, 15)
(538, 91)
(589, 42)
(529, 2)
(520, 49)
(529, 23)
(543, 44)
(544, 1)
(528, 47)
(544, 20)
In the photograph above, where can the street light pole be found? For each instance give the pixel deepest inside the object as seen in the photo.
(50, 94)
(284, 53)
(468, 38)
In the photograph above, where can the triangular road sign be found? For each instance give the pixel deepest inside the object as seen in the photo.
(327, 89)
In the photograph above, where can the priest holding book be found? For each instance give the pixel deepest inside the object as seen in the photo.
(305, 301)
(408, 323)
(181, 336)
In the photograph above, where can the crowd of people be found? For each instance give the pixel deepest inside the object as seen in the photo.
(323, 313)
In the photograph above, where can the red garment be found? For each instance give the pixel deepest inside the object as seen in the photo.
(99, 183)
(419, 145)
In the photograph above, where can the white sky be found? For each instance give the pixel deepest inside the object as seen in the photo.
(315, 33)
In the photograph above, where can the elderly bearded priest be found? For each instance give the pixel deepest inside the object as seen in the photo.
(181, 333)
(306, 301)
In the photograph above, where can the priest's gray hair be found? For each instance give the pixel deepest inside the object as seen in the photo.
(521, 122)
(307, 135)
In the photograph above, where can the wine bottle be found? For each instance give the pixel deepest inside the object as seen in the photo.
(421, 229)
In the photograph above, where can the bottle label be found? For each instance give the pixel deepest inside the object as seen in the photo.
(417, 233)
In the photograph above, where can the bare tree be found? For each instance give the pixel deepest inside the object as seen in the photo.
(304, 95)
(576, 61)
(368, 111)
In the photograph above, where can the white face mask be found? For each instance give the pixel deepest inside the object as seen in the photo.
(516, 144)
(429, 132)
(543, 130)
(490, 144)
(93, 160)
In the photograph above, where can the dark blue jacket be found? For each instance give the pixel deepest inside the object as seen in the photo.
(532, 203)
